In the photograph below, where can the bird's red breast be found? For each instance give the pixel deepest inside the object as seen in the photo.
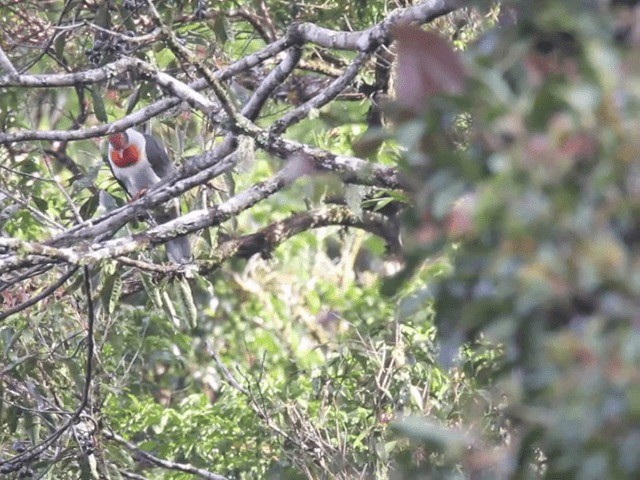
(124, 158)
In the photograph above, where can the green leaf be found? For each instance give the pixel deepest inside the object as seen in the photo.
(114, 298)
(59, 44)
(98, 104)
(108, 286)
(102, 18)
(188, 304)
(41, 203)
(165, 58)
(423, 430)
(89, 207)
(12, 418)
(32, 426)
(221, 29)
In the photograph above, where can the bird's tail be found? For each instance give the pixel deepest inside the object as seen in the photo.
(179, 248)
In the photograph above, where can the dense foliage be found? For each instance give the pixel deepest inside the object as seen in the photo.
(461, 304)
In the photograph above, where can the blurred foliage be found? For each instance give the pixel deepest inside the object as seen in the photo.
(540, 192)
(325, 363)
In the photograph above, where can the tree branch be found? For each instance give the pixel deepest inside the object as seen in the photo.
(265, 241)
(370, 39)
(271, 81)
(363, 41)
(324, 97)
(28, 253)
(70, 79)
(149, 111)
(159, 462)
(269, 238)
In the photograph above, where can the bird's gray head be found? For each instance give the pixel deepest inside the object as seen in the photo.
(119, 140)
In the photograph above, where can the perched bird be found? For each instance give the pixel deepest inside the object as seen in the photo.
(138, 162)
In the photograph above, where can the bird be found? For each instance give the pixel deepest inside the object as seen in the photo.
(137, 161)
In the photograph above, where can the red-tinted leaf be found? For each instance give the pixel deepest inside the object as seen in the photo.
(427, 66)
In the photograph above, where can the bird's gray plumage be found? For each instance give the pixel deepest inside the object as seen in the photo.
(158, 158)
(152, 166)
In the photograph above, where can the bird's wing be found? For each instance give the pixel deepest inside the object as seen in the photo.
(158, 158)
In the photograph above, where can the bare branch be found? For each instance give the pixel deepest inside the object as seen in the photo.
(370, 39)
(6, 64)
(159, 462)
(151, 110)
(70, 79)
(364, 41)
(273, 80)
(324, 97)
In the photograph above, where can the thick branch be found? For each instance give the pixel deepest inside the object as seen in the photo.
(272, 81)
(265, 241)
(370, 39)
(70, 79)
(150, 111)
(193, 221)
(203, 168)
(351, 169)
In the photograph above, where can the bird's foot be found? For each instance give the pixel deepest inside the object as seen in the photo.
(140, 193)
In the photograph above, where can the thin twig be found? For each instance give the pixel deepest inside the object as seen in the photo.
(41, 296)
(27, 456)
(159, 462)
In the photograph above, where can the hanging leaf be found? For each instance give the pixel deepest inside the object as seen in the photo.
(170, 309)
(114, 299)
(41, 204)
(98, 105)
(11, 418)
(106, 294)
(133, 99)
(152, 290)
(427, 66)
(59, 44)
(220, 28)
(186, 297)
(32, 426)
(89, 207)
(102, 15)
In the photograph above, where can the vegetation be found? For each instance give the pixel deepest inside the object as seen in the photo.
(415, 249)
